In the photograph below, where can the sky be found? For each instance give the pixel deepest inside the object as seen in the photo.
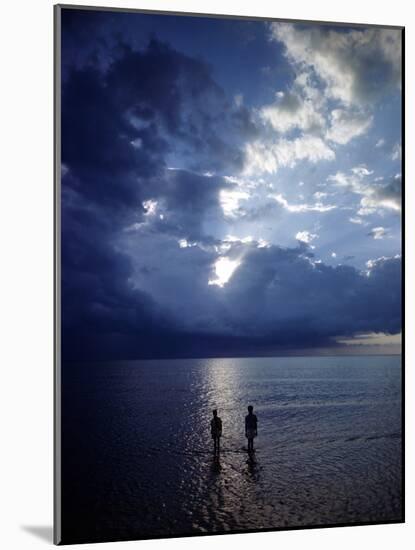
(228, 187)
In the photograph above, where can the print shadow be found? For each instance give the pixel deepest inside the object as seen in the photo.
(43, 532)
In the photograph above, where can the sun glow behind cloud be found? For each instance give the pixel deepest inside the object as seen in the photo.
(230, 199)
(224, 269)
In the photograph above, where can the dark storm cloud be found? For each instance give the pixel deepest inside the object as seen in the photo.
(118, 128)
(276, 289)
(97, 301)
(178, 94)
(185, 197)
(278, 299)
(96, 144)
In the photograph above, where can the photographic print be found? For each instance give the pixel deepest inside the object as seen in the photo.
(228, 274)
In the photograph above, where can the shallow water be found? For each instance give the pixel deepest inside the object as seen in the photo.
(138, 460)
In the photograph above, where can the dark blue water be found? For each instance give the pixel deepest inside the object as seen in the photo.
(138, 458)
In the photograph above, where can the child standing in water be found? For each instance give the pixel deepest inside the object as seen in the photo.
(216, 430)
(251, 428)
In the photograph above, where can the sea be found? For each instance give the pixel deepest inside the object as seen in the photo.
(138, 460)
